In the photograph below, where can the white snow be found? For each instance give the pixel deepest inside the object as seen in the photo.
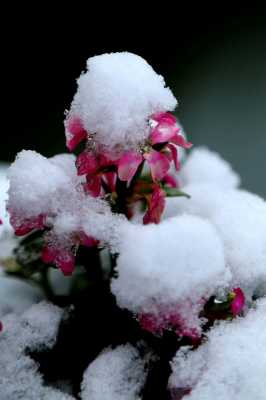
(17, 296)
(116, 374)
(175, 263)
(231, 364)
(52, 188)
(206, 166)
(3, 197)
(34, 329)
(240, 220)
(116, 96)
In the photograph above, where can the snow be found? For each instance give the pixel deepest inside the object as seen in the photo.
(52, 188)
(204, 165)
(177, 262)
(34, 329)
(17, 296)
(231, 364)
(35, 184)
(3, 197)
(116, 374)
(116, 96)
(240, 220)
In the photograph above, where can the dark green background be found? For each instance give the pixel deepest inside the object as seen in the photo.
(213, 59)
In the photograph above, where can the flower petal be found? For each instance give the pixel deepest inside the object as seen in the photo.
(65, 260)
(87, 241)
(48, 254)
(75, 132)
(128, 165)
(163, 132)
(179, 140)
(159, 164)
(170, 181)
(62, 258)
(155, 207)
(110, 179)
(238, 301)
(164, 117)
(174, 152)
(86, 163)
(22, 227)
(93, 185)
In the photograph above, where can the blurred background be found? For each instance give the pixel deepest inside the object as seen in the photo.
(214, 60)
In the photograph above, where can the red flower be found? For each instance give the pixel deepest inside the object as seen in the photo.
(165, 133)
(238, 302)
(97, 171)
(62, 258)
(22, 227)
(75, 132)
(156, 204)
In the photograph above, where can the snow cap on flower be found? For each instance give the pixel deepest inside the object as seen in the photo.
(34, 181)
(176, 265)
(231, 363)
(115, 98)
(47, 193)
(117, 374)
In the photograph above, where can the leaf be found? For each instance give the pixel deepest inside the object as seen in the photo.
(173, 192)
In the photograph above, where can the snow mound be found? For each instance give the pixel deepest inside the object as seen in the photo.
(172, 264)
(206, 166)
(230, 365)
(117, 374)
(240, 220)
(34, 329)
(116, 96)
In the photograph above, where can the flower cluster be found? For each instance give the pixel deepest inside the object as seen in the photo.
(103, 170)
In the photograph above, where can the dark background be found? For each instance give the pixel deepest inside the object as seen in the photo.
(213, 59)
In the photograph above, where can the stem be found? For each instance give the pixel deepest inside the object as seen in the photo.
(45, 284)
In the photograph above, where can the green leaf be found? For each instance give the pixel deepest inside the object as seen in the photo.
(173, 192)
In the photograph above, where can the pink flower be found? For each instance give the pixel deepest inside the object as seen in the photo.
(170, 181)
(150, 323)
(86, 163)
(22, 227)
(62, 258)
(128, 165)
(156, 204)
(130, 161)
(86, 240)
(238, 302)
(157, 323)
(167, 131)
(159, 164)
(166, 135)
(98, 171)
(75, 132)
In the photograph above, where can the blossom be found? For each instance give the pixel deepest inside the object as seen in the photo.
(156, 204)
(26, 225)
(75, 133)
(98, 170)
(62, 258)
(238, 302)
(166, 135)
(156, 324)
